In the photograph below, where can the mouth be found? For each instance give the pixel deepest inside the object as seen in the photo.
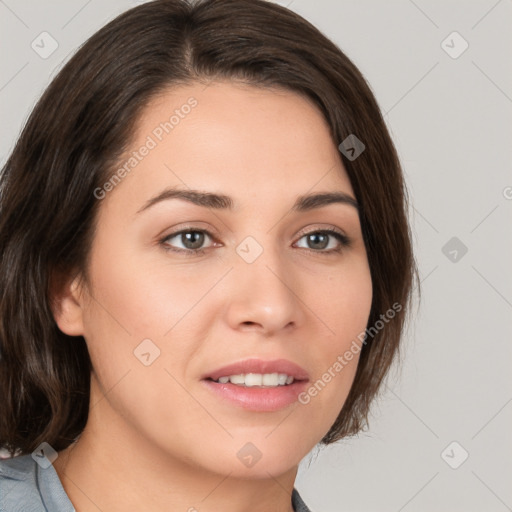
(258, 385)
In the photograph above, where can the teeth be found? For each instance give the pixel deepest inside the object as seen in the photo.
(258, 379)
(253, 379)
(237, 379)
(270, 379)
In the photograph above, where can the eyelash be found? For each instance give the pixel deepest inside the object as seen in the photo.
(342, 239)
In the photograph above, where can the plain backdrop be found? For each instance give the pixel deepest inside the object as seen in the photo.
(439, 438)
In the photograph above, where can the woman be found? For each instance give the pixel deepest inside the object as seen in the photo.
(205, 264)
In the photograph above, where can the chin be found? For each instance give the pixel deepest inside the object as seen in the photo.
(260, 456)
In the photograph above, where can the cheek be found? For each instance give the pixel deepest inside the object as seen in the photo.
(142, 311)
(140, 338)
(343, 302)
(142, 297)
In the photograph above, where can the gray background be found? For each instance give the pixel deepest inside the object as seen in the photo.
(451, 121)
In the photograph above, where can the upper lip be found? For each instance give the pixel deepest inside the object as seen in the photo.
(259, 366)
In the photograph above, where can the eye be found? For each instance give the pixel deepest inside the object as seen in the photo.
(319, 241)
(324, 241)
(191, 240)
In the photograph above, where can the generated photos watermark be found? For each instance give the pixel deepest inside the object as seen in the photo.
(343, 359)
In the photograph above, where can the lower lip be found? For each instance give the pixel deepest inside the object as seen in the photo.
(257, 398)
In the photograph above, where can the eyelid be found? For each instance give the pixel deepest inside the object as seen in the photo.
(329, 228)
(302, 232)
(186, 228)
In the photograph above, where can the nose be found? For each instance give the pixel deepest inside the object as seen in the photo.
(265, 295)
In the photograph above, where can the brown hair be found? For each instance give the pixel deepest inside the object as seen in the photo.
(84, 122)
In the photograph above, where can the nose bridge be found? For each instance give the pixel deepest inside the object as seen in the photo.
(262, 288)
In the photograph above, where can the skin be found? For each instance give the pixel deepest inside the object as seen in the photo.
(156, 439)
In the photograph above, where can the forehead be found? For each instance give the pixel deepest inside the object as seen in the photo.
(238, 139)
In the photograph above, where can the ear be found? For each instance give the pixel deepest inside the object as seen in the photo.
(66, 300)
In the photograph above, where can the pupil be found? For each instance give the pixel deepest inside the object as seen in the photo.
(315, 239)
(193, 239)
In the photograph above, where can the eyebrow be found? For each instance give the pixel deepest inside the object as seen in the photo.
(222, 202)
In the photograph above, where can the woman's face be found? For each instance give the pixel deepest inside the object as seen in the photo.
(161, 319)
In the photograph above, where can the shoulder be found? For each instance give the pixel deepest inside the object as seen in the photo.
(30, 486)
(297, 503)
(18, 485)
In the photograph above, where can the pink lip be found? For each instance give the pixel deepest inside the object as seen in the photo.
(258, 399)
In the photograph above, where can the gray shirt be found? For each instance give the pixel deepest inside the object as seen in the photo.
(26, 487)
